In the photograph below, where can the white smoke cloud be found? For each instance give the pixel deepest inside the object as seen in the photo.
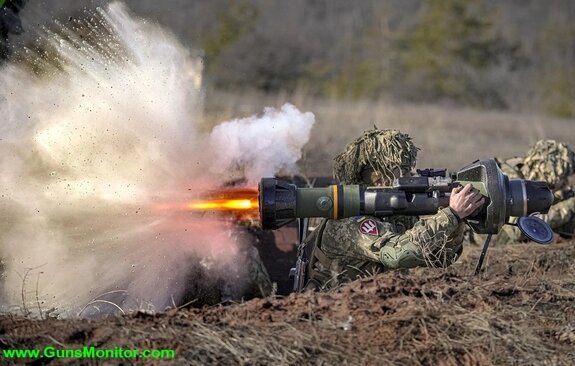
(98, 157)
(262, 146)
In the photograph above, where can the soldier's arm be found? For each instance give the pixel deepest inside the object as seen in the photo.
(434, 241)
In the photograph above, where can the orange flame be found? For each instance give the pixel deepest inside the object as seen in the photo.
(242, 203)
(224, 205)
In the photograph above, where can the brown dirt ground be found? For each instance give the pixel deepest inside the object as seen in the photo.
(520, 311)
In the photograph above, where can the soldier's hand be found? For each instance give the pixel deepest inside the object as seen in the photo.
(465, 200)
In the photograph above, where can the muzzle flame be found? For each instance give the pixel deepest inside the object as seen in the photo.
(242, 203)
(224, 205)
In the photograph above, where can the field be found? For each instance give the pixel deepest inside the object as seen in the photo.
(108, 141)
(518, 311)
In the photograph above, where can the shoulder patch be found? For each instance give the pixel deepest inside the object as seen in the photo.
(369, 227)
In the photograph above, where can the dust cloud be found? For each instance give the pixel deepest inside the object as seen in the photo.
(99, 154)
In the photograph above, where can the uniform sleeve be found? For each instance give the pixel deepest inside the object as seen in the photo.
(435, 241)
(560, 214)
(508, 234)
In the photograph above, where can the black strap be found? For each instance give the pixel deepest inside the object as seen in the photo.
(483, 253)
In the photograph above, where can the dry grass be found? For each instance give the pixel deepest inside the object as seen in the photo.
(519, 312)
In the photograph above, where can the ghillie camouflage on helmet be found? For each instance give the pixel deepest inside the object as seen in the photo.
(548, 160)
(381, 150)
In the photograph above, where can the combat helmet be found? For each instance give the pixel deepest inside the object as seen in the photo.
(380, 150)
(549, 161)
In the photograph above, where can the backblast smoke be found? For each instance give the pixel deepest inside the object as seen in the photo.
(98, 150)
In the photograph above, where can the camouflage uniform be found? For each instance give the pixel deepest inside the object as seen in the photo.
(344, 250)
(548, 161)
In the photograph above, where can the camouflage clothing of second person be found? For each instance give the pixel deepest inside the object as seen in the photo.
(552, 162)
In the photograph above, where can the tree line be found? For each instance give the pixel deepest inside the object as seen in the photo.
(504, 54)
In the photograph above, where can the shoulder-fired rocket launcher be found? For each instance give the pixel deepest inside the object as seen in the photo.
(425, 194)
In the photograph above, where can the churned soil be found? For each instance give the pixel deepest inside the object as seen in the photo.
(519, 311)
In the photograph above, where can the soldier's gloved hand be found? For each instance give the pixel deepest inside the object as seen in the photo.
(463, 201)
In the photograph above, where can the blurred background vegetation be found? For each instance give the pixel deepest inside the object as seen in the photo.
(516, 55)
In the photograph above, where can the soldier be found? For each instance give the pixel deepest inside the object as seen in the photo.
(554, 163)
(344, 250)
